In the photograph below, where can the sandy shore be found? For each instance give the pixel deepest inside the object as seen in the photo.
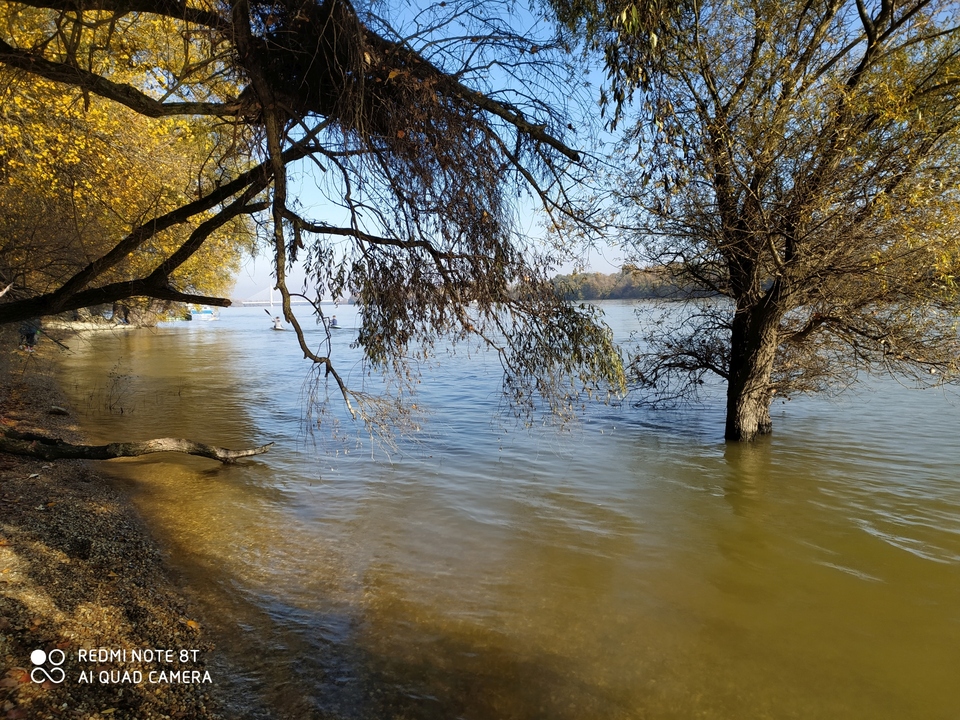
(78, 572)
(87, 326)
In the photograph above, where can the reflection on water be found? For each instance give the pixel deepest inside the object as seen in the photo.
(631, 567)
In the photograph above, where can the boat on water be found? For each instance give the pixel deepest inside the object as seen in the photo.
(199, 312)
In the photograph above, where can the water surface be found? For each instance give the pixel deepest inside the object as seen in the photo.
(631, 566)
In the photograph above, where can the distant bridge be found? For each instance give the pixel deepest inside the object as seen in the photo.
(262, 303)
(268, 297)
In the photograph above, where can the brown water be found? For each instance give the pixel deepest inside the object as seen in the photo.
(631, 567)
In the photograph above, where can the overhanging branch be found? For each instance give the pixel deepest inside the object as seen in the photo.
(71, 295)
(175, 9)
(124, 94)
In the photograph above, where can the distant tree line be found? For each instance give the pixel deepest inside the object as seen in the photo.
(630, 283)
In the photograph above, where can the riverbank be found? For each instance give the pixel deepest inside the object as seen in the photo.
(78, 571)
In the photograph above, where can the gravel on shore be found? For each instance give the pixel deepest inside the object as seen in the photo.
(79, 572)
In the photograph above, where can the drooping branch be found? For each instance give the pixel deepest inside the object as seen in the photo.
(437, 247)
(47, 448)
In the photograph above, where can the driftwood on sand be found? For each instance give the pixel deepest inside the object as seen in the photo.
(47, 448)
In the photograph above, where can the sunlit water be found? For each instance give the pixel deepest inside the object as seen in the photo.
(630, 566)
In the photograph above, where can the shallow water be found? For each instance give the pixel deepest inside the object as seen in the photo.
(631, 566)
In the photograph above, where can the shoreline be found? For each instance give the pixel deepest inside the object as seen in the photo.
(77, 326)
(79, 572)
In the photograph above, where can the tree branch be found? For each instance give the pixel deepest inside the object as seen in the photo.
(47, 448)
(123, 94)
(71, 296)
(176, 9)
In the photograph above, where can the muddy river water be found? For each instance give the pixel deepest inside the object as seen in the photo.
(628, 566)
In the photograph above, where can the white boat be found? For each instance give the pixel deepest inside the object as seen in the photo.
(198, 312)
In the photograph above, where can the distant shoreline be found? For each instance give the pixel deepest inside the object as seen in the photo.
(628, 284)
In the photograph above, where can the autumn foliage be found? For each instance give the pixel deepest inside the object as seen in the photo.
(76, 173)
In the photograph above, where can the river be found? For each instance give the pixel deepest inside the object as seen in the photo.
(630, 565)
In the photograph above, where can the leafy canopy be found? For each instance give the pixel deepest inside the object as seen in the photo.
(74, 177)
(799, 159)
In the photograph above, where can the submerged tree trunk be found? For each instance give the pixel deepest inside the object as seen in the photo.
(47, 448)
(753, 347)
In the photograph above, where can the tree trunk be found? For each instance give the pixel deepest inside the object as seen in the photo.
(753, 347)
(46, 448)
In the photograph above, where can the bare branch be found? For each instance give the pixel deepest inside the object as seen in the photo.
(47, 448)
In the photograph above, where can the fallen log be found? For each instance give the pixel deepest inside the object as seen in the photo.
(47, 448)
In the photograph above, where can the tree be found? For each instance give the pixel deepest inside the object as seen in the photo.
(629, 284)
(804, 166)
(422, 130)
(72, 177)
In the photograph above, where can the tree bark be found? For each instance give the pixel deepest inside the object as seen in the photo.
(47, 448)
(753, 348)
